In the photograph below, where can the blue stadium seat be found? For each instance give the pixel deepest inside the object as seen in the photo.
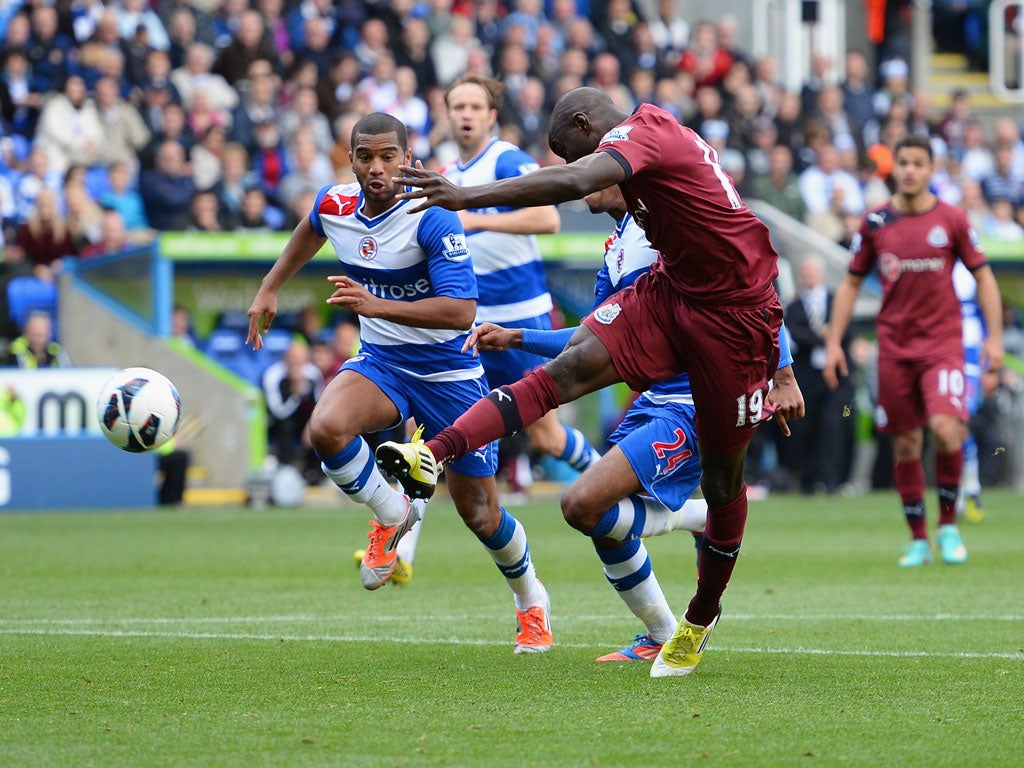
(227, 347)
(29, 294)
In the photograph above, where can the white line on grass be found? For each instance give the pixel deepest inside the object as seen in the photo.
(280, 638)
(387, 618)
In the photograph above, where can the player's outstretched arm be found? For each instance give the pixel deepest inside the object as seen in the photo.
(300, 248)
(488, 337)
(548, 186)
(842, 312)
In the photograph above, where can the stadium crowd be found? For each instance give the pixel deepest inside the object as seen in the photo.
(123, 118)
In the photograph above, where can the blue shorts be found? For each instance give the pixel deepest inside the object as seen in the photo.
(432, 404)
(972, 379)
(504, 368)
(660, 443)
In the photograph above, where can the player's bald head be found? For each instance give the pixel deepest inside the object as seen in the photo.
(578, 121)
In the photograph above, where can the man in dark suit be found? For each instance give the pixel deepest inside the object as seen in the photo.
(820, 444)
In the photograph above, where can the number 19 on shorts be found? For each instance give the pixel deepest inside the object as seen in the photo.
(748, 409)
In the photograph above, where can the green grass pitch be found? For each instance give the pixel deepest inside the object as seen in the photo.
(237, 637)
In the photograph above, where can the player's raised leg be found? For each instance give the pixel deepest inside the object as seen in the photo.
(583, 367)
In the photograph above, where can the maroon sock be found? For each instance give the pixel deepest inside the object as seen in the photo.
(948, 469)
(505, 411)
(718, 555)
(908, 477)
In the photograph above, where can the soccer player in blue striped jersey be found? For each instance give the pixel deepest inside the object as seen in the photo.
(642, 486)
(969, 504)
(506, 259)
(410, 280)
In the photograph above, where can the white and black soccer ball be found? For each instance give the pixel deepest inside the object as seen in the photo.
(138, 409)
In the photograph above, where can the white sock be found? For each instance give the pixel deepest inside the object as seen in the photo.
(643, 516)
(628, 569)
(355, 472)
(510, 551)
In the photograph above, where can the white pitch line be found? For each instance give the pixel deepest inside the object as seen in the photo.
(278, 638)
(387, 618)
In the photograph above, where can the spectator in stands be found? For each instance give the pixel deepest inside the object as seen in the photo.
(207, 158)
(197, 74)
(829, 109)
(181, 31)
(606, 75)
(44, 237)
(124, 198)
(248, 43)
(1000, 224)
(309, 171)
(36, 347)
(274, 20)
(953, 124)
(49, 49)
(304, 113)
(895, 81)
(977, 159)
(113, 237)
(174, 128)
(1006, 132)
(973, 203)
(829, 192)
(124, 132)
(857, 95)
(168, 188)
(37, 176)
(70, 129)
(414, 52)
(820, 77)
(137, 13)
(255, 215)
(83, 216)
(291, 387)
(269, 160)
(1001, 183)
(780, 186)
(206, 215)
(235, 177)
(258, 104)
(106, 40)
(704, 58)
(450, 50)
(25, 93)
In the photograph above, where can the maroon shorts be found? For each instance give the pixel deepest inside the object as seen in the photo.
(652, 333)
(912, 391)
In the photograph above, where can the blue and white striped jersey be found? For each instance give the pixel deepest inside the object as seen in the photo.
(508, 267)
(402, 257)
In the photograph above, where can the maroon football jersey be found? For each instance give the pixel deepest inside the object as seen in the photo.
(915, 253)
(713, 248)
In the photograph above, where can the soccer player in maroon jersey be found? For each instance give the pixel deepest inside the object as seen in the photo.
(914, 241)
(707, 306)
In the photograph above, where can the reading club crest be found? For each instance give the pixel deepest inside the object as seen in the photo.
(606, 314)
(367, 249)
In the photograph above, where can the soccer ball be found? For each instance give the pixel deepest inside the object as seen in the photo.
(138, 409)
